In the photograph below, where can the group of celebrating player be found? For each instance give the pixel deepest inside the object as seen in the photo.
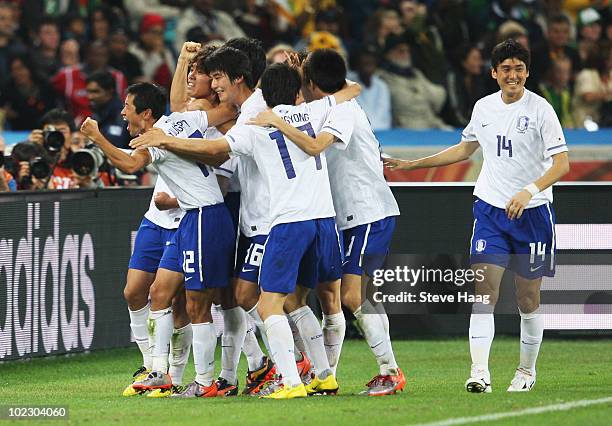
(285, 155)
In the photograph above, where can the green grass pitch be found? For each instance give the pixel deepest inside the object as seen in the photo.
(568, 370)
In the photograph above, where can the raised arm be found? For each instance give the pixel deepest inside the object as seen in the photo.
(125, 162)
(213, 152)
(454, 154)
(178, 90)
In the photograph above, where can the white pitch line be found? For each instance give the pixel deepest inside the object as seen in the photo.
(536, 410)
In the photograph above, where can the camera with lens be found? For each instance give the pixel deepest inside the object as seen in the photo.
(53, 139)
(40, 168)
(88, 161)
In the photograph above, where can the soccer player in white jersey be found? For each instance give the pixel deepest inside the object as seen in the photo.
(191, 91)
(365, 213)
(303, 243)
(524, 154)
(197, 257)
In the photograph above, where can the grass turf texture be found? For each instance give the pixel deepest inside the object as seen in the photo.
(568, 370)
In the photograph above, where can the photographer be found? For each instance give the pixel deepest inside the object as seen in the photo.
(7, 182)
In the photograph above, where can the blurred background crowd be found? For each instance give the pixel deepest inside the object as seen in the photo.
(422, 64)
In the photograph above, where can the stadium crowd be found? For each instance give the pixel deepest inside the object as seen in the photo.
(421, 64)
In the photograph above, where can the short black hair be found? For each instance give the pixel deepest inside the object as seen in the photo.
(510, 49)
(148, 96)
(104, 79)
(254, 51)
(58, 116)
(47, 20)
(201, 55)
(559, 18)
(326, 69)
(232, 62)
(280, 85)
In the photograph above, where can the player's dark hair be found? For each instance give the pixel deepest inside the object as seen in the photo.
(200, 57)
(326, 69)
(104, 79)
(510, 49)
(254, 51)
(231, 62)
(58, 116)
(280, 85)
(148, 96)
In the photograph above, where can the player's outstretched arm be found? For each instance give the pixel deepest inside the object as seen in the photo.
(454, 154)
(213, 152)
(311, 146)
(123, 161)
(178, 89)
(559, 168)
(220, 114)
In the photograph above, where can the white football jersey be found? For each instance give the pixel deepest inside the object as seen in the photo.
(194, 184)
(298, 183)
(254, 196)
(361, 194)
(229, 169)
(518, 141)
(168, 219)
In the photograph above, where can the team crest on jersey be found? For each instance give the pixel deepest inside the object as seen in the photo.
(522, 124)
(480, 245)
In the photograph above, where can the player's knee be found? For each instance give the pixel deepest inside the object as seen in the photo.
(246, 298)
(330, 301)
(160, 295)
(528, 303)
(351, 300)
(135, 299)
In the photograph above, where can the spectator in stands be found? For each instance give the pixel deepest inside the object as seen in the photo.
(324, 40)
(426, 45)
(75, 27)
(382, 24)
(278, 53)
(46, 47)
(69, 53)
(305, 12)
(326, 22)
(557, 45)
(589, 31)
(375, 98)
(261, 20)
(415, 100)
(106, 107)
(214, 23)
(26, 96)
(101, 23)
(449, 19)
(593, 88)
(7, 182)
(137, 9)
(24, 157)
(156, 60)
(123, 60)
(466, 84)
(10, 44)
(70, 81)
(557, 91)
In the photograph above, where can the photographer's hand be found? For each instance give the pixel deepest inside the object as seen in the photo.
(37, 136)
(3, 183)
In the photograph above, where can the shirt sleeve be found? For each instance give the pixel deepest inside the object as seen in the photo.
(551, 132)
(228, 168)
(240, 139)
(157, 155)
(469, 133)
(340, 123)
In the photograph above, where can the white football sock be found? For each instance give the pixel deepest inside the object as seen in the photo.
(234, 331)
(138, 324)
(262, 328)
(334, 328)
(373, 330)
(204, 343)
(380, 308)
(251, 349)
(180, 348)
(312, 336)
(161, 327)
(532, 329)
(281, 345)
(482, 331)
(298, 342)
